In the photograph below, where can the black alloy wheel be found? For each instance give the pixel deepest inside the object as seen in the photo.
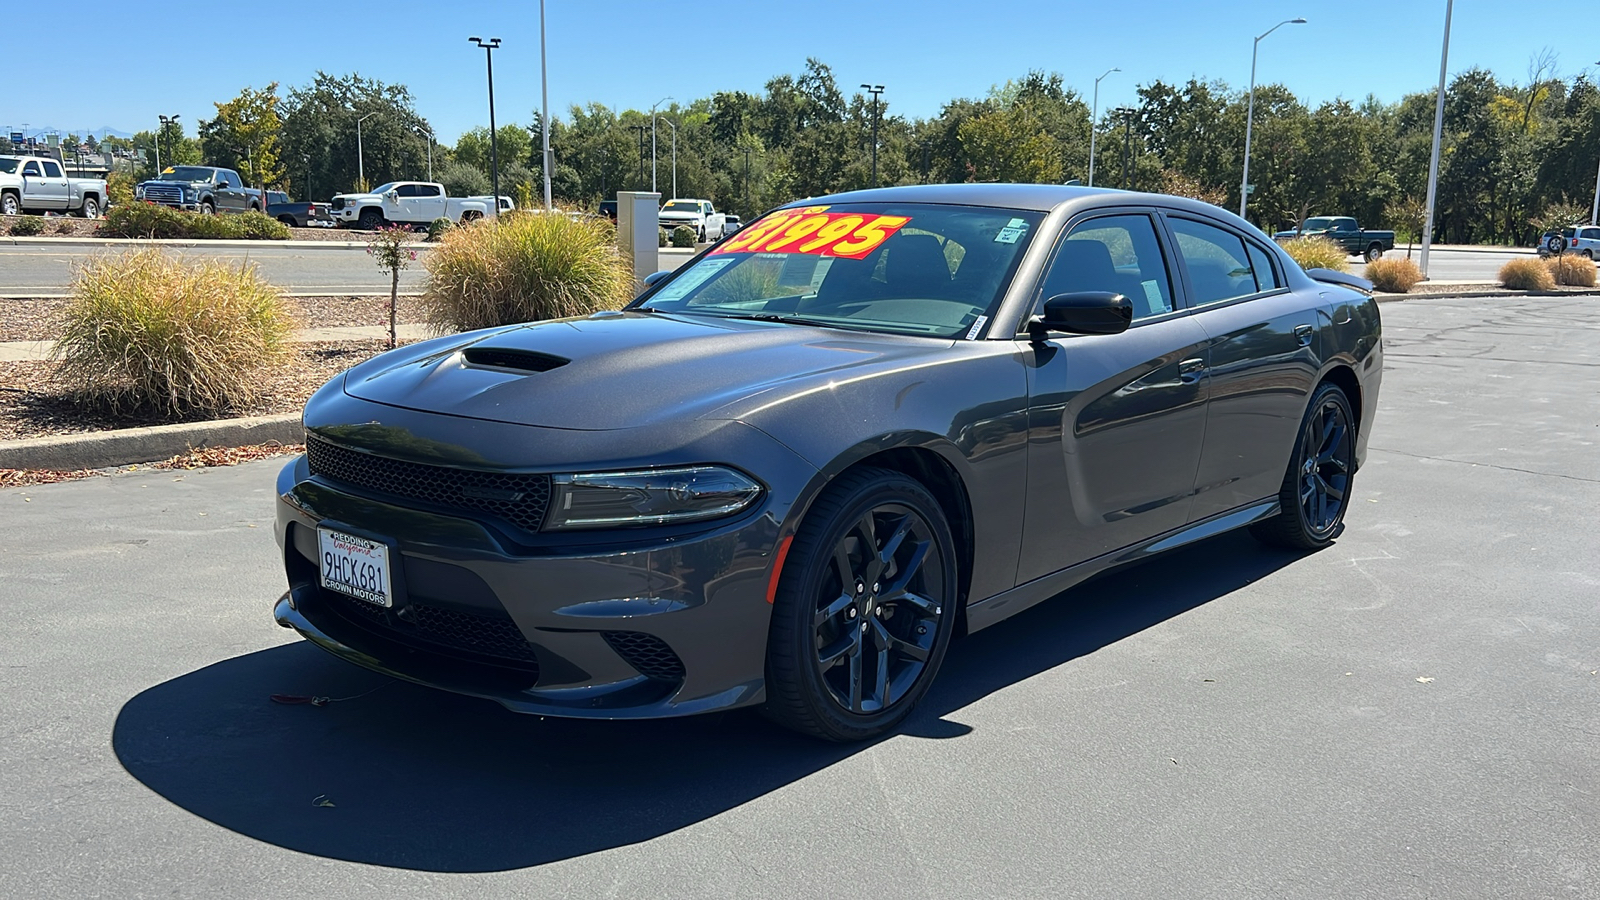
(370, 220)
(1316, 489)
(865, 608)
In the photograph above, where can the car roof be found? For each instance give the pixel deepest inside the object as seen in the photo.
(1042, 197)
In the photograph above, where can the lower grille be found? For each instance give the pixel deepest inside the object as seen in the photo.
(475, 633)
(647, 653)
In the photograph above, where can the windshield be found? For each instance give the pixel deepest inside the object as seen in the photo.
(384, 188)
(681, 206)
(187, 173)
(898, 268)
(1321, 224)
(9, 166)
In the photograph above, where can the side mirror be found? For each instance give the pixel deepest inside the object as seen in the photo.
(1084, 312)
(222, 184)
(655, 278)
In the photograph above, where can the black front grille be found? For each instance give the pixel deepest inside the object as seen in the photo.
(647, 653)
(517, 499)
(476, 633)
(338, 203)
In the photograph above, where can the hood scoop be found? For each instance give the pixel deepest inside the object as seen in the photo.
(512, 359)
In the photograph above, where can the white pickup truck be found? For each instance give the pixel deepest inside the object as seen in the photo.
(404, 203)
(697, 214)
(38, 184)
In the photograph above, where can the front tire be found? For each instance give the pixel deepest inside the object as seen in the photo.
(10, 205)
(1374, 251)
(1316, 488)
(207, 208)
(369, 220)
(865, 608)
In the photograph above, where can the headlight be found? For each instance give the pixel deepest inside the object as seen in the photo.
(651, 497)
(188, 193)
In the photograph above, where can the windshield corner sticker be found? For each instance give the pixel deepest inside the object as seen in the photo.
(1014, 230)
(972, 333)
(812, 230)
(680, 287)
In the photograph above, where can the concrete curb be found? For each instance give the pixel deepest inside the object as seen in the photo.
(130, 446)
(1469, 295)
(193, 243)
(61, 295)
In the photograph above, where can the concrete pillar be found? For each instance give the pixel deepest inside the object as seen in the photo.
(638, 227)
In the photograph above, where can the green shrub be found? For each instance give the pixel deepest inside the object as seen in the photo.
(438, 227)
(119, 188)
(683, 236)
(1526, 275)
(1316, 252)
(1571, 269)
(1393, 275)
(148, 331)
(27, 226)
(152, 220)
(522, 269)
(661, 237)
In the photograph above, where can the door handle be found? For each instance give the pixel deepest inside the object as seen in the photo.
(1304, 332)
(1190, 370)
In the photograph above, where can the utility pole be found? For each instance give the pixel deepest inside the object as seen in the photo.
(653, 108)
(489, 47)
(1438, 134)
(1127, 113)
(875, 90)
(361, 156)
(1250, 115)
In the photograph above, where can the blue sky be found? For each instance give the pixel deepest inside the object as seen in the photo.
(626, 53)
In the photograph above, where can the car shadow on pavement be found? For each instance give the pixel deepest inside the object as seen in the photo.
(415, 778)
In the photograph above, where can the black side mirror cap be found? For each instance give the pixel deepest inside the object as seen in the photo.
(654, 278)
(1083, 312)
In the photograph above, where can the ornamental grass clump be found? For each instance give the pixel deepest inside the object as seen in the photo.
(150, 333)
(1316, 252)
(1571, 269)
(522, 269)
(1526, 275)
(1393, 276)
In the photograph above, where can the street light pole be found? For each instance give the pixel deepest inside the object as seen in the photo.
(1594, 216)
(429, 133)
(1127, 113)
(165, 120)
(544, 117)
(653, 108)
(674, 126)
(1093, 116)
(875, 90)
(1438, 138)
(1250, 114)
(494, 148)
(361, 157)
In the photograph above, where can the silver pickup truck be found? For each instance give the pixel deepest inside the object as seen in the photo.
(36, 184)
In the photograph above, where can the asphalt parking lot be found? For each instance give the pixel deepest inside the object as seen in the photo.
(1410, 713)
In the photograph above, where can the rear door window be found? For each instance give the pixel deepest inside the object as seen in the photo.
(1219, 267)
(51, 170)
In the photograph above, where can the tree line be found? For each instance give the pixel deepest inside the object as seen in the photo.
(1517, 156)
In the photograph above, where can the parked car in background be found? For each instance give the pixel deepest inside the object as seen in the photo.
(404, 203)
(301, 214)
(202, 189)
(697, 214)
(792, 471)
(38, 184)
(730, 224)
(1581, 239)
(1344, 231)
(608, 208)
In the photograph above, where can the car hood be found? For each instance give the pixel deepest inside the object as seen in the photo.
(174, 181)
(681, 215)
(625, 370)
(359, 196)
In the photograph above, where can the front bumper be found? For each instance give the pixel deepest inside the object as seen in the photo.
(587, 627)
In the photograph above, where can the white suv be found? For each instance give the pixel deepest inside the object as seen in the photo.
(1581, 239)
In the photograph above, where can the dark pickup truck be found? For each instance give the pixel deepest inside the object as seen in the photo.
(202, 189)
(304, 214)
(1344, 231)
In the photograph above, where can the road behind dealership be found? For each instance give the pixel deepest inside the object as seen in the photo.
(1410, 713)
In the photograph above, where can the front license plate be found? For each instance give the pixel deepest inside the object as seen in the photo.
(355, 566)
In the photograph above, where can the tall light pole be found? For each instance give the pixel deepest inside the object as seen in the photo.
(361, 157)
(1438, 139)
(653, 108)
(1594, 216)
(674, 126)
(875, 90)
(544, 116)
(1250, 114)
(165, 121)
(1093, 117)
(489, 47)
(428, 133)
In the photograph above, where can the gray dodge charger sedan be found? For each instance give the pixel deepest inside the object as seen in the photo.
(789, 473)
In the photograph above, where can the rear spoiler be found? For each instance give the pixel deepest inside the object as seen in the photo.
(1343, 279)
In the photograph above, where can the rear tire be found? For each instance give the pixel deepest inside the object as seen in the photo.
(1374, 251)
(865, 608)
(1316, 488)
(90, 208)
(289, 221)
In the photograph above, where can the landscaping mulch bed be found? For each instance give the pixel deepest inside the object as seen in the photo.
(33, 405)
(71, 226)
(35, 319)
(205, 457)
